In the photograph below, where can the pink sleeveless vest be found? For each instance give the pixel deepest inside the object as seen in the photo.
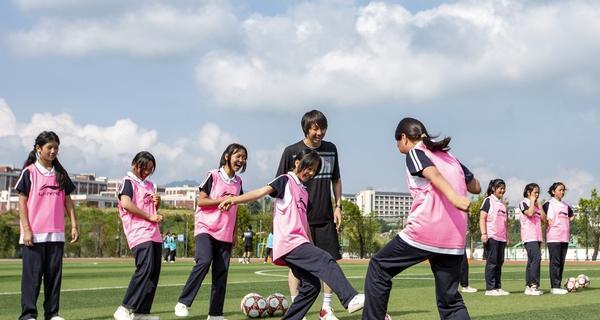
(496, 219)
(45, 203)
(434, 224)
(290, 223)
(210, 220)
(558, 212)
(531, 227)
(139, 230)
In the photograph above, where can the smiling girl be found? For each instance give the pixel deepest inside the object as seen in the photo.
(214, 232)
(292, 245)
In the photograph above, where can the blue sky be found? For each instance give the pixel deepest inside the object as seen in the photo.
(515, 83)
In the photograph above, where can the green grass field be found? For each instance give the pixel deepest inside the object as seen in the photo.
(92, 289)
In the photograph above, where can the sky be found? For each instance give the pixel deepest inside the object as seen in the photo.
(516, 84)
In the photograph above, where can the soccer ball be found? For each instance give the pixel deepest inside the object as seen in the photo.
(583, 281)
(277, 304)
(253, 305)
(571, 284)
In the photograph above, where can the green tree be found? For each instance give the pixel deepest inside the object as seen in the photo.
(474, 234)
(590, 222)
(9, 233)
(359, 230)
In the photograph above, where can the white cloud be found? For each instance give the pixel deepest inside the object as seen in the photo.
(149, 30)
(8, 122)
(313, 57)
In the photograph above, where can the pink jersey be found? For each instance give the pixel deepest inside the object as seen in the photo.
(290, 223)
(210, 220)
(139, 230)
(558, 212)
(496, 219)
(434, 224)
(45, 204)
(531, 227)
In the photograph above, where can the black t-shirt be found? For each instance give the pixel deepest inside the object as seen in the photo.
(24, 184)
(248, 234)
(320, 207)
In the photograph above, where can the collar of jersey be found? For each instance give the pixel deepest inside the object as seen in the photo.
(226, 178)
(43, 170)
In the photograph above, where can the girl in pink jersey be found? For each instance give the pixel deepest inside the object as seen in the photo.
(531, 218)
(292, 243)
(436, 227)
(493, 225)
(138, 210)
(559, 216)
(214, 232)
(44, 195)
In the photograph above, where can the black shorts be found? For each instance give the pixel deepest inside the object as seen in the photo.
(325, 236)
(248, 248)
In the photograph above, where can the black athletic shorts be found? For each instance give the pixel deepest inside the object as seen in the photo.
(325, 236)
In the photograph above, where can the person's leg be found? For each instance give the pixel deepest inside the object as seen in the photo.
(52, 278)
(293, 284)
(529, 248)
(501, 247)
(320, 264)
(151, 282)
(554, 251)
(491, 265)
(392, 259)
(564, 247)
(464, 271)
(325, 237)
(136, 289)
(203, 258)
(308, 292)
(220, 269)
(31, 279)
(446, 271)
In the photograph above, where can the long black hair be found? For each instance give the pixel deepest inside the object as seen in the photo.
(62, 177)
(415, 131)
(230, 150)
(494, 184)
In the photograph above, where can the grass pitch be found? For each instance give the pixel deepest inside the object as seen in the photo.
(93, 288)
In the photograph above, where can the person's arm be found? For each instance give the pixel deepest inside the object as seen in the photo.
(483, 226)
(205, 201)
(337, 196)
(246, 197)
(71, 211)
(128, 205)
(156, 199)
(439, 182)
(542, 212)
(24, 218)
(473, 186)
(529, 211)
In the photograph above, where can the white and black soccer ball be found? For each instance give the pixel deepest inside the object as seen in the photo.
(571, 284)
(277, 305)
(583, 281)
(253, 305)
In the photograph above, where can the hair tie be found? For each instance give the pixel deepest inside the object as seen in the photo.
(423, 135)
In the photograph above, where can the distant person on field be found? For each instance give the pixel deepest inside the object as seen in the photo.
(532, 216)
(248, 237)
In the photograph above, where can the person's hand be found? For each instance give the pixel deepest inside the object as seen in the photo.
(156, 199)
(155, 218)
(484, 238)
(226, 204)
(337, 218)
(28, 238)
(74, 234)
(461, 203)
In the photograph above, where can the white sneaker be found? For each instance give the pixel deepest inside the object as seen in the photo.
(327, 314)
(215, 318)
(558, 291)
(533, 291)
(387, 317)
(141, 316)
(57, 318)
(181, 310)
(503, 292)
(122, 313)
(357, 303)
(493, 292)
(468, 289)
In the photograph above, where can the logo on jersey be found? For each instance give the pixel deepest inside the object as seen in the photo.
(47, 190)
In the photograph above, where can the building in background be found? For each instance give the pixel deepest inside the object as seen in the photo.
(387, 205)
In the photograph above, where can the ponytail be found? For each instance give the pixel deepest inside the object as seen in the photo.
(31, 158)
(415, 131)
(62, 176)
